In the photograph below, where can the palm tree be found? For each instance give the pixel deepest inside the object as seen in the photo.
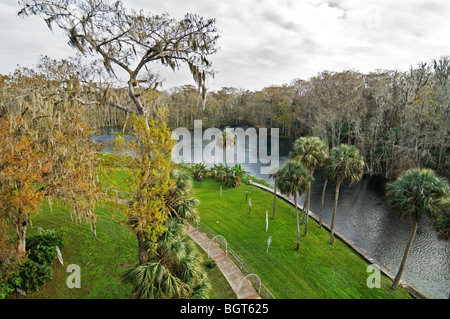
(177, 204)
(345, 165)
(179, 201)
(173, 264)
(225, 140)
(274, 173)
(294, 179)
(413, 194)
(311, 152)
(174, 269)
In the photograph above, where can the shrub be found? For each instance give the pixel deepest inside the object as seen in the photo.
(199, 171)
(234, 175)
(42, 247)
(218, 171)
(233, 180)
(6, 288)
(36, 270)
(211, 263)
(35, 275)
(117, 160)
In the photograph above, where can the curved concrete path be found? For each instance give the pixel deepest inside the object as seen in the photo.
(242, 288)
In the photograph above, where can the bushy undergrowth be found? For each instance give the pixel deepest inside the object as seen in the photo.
(210, 263)
(231, 176)
(36, 270)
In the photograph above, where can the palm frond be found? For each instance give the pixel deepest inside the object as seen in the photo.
(416, 193)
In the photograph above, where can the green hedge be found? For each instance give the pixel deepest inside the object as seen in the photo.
(36, 270)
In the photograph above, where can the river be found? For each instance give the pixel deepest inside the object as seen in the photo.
(365, 218)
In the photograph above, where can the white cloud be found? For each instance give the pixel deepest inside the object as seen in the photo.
(272, 42)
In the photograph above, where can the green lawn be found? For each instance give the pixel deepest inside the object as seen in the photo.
(318, 270)
(102, 259)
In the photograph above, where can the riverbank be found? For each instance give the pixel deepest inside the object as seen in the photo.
(319, 270)
(413, 291)
(366, 219)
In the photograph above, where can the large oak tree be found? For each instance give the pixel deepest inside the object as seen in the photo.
(129, 40)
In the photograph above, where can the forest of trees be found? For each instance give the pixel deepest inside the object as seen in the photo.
(398, 120)
(46, 119)
(387, 122)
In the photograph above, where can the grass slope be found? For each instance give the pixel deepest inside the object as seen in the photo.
(318, 270)
(102, 259)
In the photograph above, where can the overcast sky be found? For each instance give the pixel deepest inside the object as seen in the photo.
(270, 42)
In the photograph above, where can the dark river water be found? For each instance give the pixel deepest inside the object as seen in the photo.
(364, 217)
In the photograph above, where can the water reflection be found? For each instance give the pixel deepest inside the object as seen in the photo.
(365, 218)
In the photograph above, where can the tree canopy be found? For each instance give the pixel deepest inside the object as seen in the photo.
(131, 39)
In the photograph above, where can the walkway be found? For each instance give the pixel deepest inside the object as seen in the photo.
(243, 289)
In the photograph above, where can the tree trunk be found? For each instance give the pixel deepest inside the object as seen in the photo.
(336, 197)
(274, 198)
(307, 207)
(305, 203)
(405, 255)
(323, 199)
(22, 234)
(306, 213)
(143, 256)
(137, 103)
(225, 156)
(298, 226)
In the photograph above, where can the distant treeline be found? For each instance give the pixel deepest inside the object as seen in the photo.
(398, 120)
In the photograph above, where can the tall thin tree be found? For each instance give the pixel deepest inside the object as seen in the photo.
(324, 188)
(295, 179)
(346, 166)
(226, 140)
(312, 152)
(275, 172)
